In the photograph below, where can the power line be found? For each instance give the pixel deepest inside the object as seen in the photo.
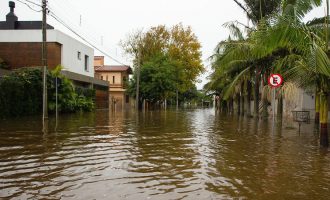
(69, 13)
(72, 14)
(29, 6)
(52, 14)
(33, 3)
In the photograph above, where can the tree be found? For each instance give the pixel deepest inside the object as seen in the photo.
(283, 44)
(177, 44)
(158, 80)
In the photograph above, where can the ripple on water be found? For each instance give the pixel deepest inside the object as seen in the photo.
(195, 154)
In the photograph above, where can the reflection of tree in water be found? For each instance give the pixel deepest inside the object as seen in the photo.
(162, 152)
(259, 164)
(44, 165)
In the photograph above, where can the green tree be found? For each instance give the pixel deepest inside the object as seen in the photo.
(178, 44)
(158, 80)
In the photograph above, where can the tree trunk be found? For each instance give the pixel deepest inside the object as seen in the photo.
(177, 99)
(242, 104)
(264, 104)
(317, 108)
(280, 109)
(248, 99)
(324, 141)
(256, 94)
(239, 105)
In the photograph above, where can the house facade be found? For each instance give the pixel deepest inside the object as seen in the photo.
(21, 46)
(21, 41)
(117, 77)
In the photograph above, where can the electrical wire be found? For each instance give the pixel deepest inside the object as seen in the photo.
(29, 6)
(58, 19)
(52, 14)
(67, 16)
(69, 13)
(33, 3)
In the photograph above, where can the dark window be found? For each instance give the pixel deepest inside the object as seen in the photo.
(107, 77)
(79, 55)
(113, 79)
(124, 79)
(86, 63)
(101, 77)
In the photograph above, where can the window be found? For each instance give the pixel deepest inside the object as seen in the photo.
(101, 77)
(107, 77)
(113, 79)
(86, 63)
(79, 55)
(124, 79)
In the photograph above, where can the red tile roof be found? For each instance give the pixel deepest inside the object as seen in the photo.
(113, 68)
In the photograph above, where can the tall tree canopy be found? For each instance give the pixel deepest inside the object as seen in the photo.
(176, 47)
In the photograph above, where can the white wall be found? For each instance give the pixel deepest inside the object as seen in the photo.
(70, 47)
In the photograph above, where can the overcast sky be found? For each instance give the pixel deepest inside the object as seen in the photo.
(113, 20)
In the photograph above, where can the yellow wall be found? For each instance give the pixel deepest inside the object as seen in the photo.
(117, 90)
(109, 77)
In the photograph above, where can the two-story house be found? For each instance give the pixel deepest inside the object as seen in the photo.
(117, 76)
(21, 46)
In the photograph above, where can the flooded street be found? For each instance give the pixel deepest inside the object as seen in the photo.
(194, 154)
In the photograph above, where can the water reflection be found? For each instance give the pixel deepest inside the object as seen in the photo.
(195, 154)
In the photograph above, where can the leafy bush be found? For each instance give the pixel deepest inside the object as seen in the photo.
(3, 64)
(21, 93)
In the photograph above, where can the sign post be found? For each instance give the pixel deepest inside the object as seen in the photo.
(274, 81)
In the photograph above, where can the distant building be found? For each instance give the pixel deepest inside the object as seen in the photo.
(117, 76)
(21, 46)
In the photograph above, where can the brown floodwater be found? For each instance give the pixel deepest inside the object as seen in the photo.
(191, 154)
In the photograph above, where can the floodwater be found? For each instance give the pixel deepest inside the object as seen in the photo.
(192, 154)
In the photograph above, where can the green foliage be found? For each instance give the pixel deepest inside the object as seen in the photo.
(158, 79)
(3, 64)
(167, 52)
(70, 98)
(258, 9)
(21, 93)
(281, 43)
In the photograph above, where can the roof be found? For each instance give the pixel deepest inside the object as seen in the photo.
(84, 78)
(98, 57)
(23, 25)
(113, 68)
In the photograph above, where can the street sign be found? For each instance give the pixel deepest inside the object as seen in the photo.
(275, 80)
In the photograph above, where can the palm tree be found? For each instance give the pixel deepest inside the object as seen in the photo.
(279, 40)
(309, 60)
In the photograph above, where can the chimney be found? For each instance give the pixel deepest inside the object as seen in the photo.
(11, 18)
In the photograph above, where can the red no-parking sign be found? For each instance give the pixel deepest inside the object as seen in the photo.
(275, 80)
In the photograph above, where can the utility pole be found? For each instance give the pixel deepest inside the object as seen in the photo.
(44, 60)
(138, 79)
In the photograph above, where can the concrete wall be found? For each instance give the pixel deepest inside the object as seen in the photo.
(70, 48)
